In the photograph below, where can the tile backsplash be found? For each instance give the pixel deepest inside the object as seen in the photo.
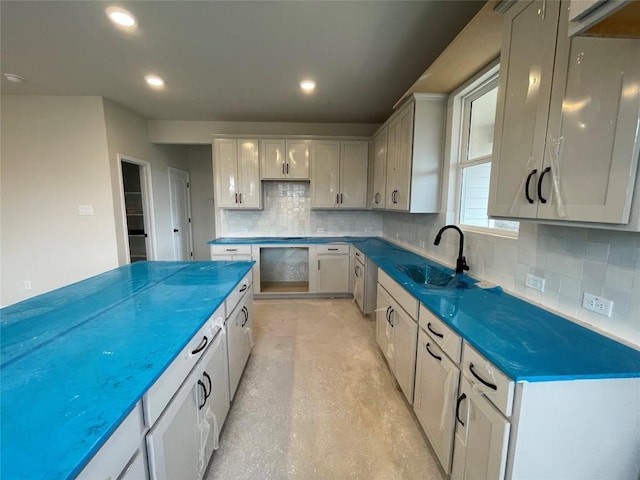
(572, 261)
(287, 212)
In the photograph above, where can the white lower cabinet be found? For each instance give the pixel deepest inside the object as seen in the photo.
(181, 442)
(329, 268)
(239, 326)
(482, 436)
(435, 396)
(397, 331)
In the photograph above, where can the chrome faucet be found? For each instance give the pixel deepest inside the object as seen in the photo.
(461, 262)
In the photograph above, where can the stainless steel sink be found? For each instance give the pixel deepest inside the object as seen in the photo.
(432, 276)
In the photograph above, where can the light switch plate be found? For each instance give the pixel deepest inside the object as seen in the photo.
(85, 209)
(534, 282)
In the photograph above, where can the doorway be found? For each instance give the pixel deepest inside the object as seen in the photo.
(180, 199)
(136, 198)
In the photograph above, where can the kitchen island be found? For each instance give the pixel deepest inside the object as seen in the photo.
(76, 361)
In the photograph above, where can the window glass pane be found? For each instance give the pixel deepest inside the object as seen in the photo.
(475, 198)
(483, 116)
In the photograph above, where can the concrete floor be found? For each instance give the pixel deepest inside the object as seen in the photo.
(317, 402)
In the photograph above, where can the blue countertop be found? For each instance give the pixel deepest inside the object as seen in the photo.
(526, 342)
(75, 361)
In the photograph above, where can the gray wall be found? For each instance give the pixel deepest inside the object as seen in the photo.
(54, 158)
(202, 209)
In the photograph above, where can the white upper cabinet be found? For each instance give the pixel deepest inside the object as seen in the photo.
(237, 173)
(284, 159)
(584, 14)
(339, 173)
(567, 137)
(379, 169)
(409, 150)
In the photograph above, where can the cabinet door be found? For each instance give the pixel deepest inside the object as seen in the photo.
(173, 444)
(353, 174)
(235, 347)
(247, 326)
(379, 169)
(384, 330)
(215, 374)
(333, 274)
(358, 282)
(325, 178)
(272, 159)
(226, 181)
(435, 396)
(297, 159)
(404, 159)
(526, 70)
(482, 437)
(405, 336)
(249, 173)
(392, 160)
(595, 105)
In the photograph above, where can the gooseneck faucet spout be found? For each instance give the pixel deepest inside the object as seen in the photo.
(461, 262)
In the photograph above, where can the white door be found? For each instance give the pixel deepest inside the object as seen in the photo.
(173, 444)
(434, 401)
(179, 196)
(226, 179)
(353, 174)
(384, 330)
(405, 336)
(215, 374)
(526, 69)
(272, 158)
(404, 159)
(249, 173)
(379, 169)
(482, 437)
(297, 161)
(392, 160)
(325, 178)
(235, 347)
(333, 273)
(358, 281)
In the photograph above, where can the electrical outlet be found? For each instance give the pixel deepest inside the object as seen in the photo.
(85, 209)
(597, 304)
(320, 230)
(534, 282)
(27, 284)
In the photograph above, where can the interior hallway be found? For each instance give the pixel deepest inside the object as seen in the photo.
(317, 402)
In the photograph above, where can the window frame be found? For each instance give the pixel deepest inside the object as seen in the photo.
(474, 91)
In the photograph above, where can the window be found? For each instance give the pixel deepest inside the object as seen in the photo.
(476, 146)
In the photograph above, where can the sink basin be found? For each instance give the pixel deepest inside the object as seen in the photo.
(432, 276)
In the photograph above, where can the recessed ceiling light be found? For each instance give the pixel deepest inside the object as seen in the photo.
(308, 85)
(154, 80)
(12, 77)
(121, 17)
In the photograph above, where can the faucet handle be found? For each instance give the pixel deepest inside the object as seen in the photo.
(462, 265)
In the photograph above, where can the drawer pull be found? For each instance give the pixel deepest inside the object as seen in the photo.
(244, 287)
(204, 397)
(389, 313)
(432, 354)
(357, 271)
(200, 347)
(460, 399)
(245, 312)
(230, 249)
(332, 249)
(439, 335)
(357, 254)
(482, 380)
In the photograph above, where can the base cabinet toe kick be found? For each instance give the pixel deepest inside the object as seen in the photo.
(174, 430)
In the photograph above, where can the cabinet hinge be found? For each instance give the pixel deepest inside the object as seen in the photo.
(189, 220)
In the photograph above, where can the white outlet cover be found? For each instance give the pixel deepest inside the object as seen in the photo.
(85, 209)
(597, 304)
(537, 283)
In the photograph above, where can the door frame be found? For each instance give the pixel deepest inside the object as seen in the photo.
(171, 200)
(147, 205)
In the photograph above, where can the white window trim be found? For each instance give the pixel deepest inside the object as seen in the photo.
(476, 86)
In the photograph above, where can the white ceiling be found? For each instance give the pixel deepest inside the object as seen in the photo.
(231, 61)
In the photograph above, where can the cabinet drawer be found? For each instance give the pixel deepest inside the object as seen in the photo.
(490, 380)
(332, 248)
(230, 249)
(158, 396)
(120, 449)
(441, 333)
(404, 298)
(238, 292)
(361, 257)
